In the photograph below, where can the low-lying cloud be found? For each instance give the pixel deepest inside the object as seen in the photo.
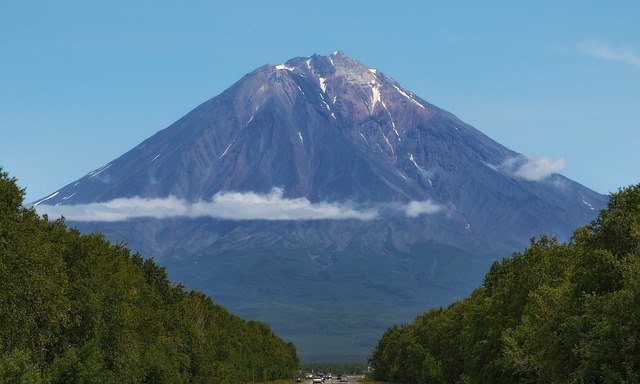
(417, 208)
(528, 168)
(601, 50)
(227, 205)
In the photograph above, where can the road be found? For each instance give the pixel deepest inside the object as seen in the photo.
(333, 380)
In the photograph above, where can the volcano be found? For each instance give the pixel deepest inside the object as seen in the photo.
(323, 198)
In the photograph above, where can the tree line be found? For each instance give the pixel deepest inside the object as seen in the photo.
(554, 313)
(75, 308)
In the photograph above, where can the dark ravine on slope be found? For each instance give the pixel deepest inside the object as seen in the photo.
(391, 205)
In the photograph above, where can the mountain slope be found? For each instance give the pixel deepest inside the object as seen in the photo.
(322, 182)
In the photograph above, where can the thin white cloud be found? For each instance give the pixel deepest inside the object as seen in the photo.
(273, 206)
(230, 206)
(525, 167)
(602, 50)
(417, 208)
(538, 169)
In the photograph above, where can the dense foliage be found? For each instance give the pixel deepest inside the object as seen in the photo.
(76, 309)
(556, 313)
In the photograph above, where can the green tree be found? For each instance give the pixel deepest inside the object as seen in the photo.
(19, 367)
(555, 313)
(76, 309)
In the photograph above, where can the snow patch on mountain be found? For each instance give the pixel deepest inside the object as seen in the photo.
(375, 96)
(226, 150)
(47, 198)
(588, 204)
(67, 197)
(410, 98)
(396, 131)
(393, 124)
(323, 84)
(284, 67)
(386, 140)
(413, 160)
(99, 170)
(325, 104)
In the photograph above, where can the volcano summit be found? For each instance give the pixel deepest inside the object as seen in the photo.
(323, 198)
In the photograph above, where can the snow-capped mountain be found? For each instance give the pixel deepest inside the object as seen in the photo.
(321, 173)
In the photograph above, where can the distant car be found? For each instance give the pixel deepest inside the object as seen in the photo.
(297, 379)
(318, 379)
(343, 379)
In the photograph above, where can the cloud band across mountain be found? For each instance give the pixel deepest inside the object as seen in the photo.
(227, 205)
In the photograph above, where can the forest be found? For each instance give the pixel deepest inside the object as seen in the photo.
(75, 308)
(554, 313)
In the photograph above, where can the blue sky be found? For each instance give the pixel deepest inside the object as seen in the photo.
(83, 82)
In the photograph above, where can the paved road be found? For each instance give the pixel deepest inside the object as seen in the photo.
(352, 379)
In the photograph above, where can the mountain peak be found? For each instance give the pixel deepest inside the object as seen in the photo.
(323, 128)
(349, 83)
(336, 63)
(323, 171)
